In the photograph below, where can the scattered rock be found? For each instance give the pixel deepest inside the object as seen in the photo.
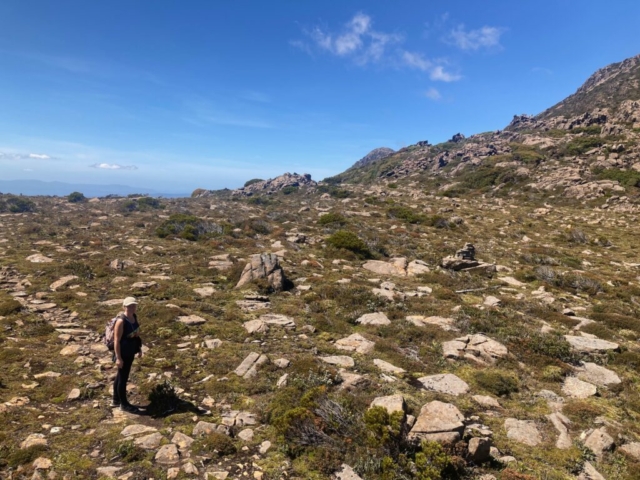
(387, 367)
(205, 291)
(442, 322)
(391, 403)
(438, 421)
(599, 441)
(575, 388)
(631, 449)
(355, 343)
(478, 348)
(246, 435)
(181, 440)
(167, 455)
(33, 440)
(339, 360)
(137, 429)
(601, 376)
(377, 318)
(39, 258)
(523, 431)
(206, 428)
(42, 463)
(480, 449)
(149, 442)
(444, 383)
(590, 473)
(561, 424)
(191, 320)
(62, 281)
(590, 345)
(486, 401)
(249, 366)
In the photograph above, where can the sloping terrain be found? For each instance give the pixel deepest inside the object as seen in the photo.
(468, 310)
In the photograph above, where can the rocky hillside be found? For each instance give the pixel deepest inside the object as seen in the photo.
(287, 182)
(607, 88)
(585, 148)
(373, 156)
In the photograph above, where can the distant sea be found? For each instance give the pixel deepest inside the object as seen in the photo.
(61, 189)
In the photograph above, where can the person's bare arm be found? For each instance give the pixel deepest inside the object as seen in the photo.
(117, 336)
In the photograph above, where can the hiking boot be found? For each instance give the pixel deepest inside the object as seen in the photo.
(129, 408)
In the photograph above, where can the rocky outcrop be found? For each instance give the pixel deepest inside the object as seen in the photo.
(477, 348)
(274, 185)
(373, 156)
(266, 266)
(465, 259)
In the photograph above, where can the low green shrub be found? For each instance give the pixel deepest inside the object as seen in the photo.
(189, 227)
(332, 218)
(345, 240)
(405, 214)
(9, 306)
(76, 197)
(252, 181)
(498, 382)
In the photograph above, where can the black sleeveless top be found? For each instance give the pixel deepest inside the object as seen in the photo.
(130, 343)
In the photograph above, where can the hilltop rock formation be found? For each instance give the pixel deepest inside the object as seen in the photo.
(373, 156)
(269, 187)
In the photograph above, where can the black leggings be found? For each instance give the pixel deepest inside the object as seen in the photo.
(120, 383)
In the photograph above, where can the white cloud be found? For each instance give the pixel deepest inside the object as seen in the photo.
(416, 60)
(24, 156)
(438, 73)
(113, 166)
(357, 40)
(485, 37)
(433, 94)
(39, 156)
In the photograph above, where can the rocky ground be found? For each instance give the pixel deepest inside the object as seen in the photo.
(323, 332)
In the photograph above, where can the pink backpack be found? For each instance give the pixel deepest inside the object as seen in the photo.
(109, 332)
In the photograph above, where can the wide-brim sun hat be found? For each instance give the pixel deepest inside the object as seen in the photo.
(129, 301)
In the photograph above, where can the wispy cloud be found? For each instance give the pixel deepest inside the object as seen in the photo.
(357, 40)
(436, 71)
(113, 166)
(485, 37)
(433, 94)
(103, 69)
(360, 42)
(24, 156)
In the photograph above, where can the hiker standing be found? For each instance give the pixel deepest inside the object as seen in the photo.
(126, 343)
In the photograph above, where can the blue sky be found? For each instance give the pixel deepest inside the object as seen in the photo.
(179, 95)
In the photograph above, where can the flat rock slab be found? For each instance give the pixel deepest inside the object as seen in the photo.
(575, 388)
(377, 318)
(355, 343)
(387, 367)
(522, 431)
(39, 258)
(391, 403)
(182, 441)
(442, 322)
(486, 401)
(394, 267)
(561, 424)
(249, 366)
(590, 345)
(205, 291)
(631, 449)
(191, 320)
(438, 421)
(33, 440)
(339, 360)
(256, 326)
(144, 285)
(62, 281)
(601, 376)
(206, 428)
(278, 320)
(149, 442)
(478, 348)
(444, 383)
(137, 429)
(599, 441)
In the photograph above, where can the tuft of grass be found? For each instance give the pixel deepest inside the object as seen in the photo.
(498, 382)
